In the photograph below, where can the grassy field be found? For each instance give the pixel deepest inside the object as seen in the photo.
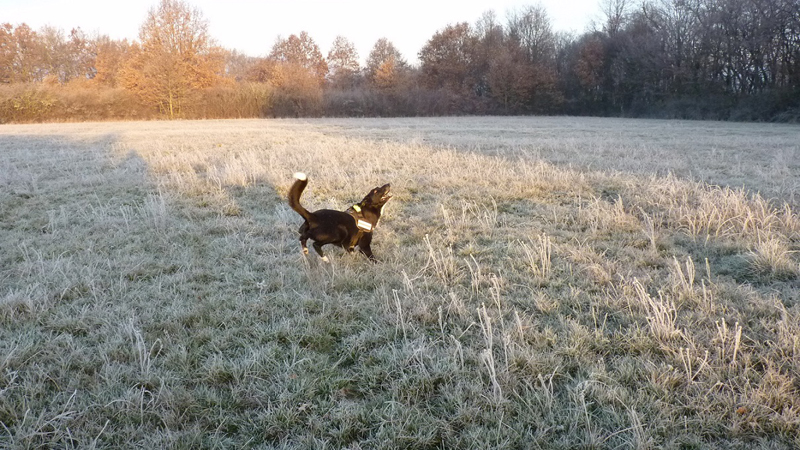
(545, 283)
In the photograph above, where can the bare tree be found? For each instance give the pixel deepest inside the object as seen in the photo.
(530, 27)
(490, 48)
(530, 32)
(488, 28)
(238, 65)
(343, 63)
(616, 15)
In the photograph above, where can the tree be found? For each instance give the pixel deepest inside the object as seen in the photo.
(488, 29)
(530, 27)
(530, 34)
(448, 60)
(28, 55)
(343, 63)
(386, 68)
(296, 69)
(67, 58)
(303, 52)
(385, 76)
(7, 53)
(297, 90)
(589, 65)
(507, 79)
(110, 58)
(238, 65)
(175, 58)
(53, 58)
(81, 53)
(616, 13)
(491, 36)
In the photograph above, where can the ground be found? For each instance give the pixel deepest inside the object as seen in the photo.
(544, 283)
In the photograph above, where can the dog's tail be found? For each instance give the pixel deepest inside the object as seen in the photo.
(300, 182)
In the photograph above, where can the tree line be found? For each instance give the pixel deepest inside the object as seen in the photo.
(699, 59)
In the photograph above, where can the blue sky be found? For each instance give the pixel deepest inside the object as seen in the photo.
(253, 26)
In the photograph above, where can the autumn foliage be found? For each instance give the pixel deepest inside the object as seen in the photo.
(175, 59)
(716, 59)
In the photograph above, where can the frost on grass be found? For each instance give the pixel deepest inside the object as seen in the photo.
(602, 286)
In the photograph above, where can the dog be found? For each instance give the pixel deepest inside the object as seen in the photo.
(346, 229)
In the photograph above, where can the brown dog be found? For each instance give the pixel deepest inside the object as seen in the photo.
(343, 228)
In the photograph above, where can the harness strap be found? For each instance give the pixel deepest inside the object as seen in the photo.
(360, 222)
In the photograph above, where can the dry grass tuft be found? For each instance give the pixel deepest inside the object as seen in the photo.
(772, 258)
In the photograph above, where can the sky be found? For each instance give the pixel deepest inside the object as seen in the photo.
(251, 26)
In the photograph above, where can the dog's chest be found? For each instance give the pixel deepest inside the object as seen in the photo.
(363, 223)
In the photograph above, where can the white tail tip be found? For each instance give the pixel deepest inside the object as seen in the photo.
(300, 176)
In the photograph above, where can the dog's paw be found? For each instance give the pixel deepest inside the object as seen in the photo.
(325, 259)
(300, 176)
(305, 251)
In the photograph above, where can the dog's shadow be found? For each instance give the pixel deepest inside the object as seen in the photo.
(344, 271)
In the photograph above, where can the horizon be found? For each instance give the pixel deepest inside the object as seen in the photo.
(253, 29)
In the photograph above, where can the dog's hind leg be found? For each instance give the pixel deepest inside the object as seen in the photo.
(303, 243)
(304, 237)
(318, 248)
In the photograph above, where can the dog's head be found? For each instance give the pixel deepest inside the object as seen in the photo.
(377, 197)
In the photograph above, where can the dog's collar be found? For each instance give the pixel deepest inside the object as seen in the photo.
(356, 208)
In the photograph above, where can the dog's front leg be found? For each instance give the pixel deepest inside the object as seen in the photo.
(354, 240)
(364, 245)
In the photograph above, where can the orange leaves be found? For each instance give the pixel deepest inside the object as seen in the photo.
(301, 51)
(386, 68)
(385, 75)
(175, 58)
